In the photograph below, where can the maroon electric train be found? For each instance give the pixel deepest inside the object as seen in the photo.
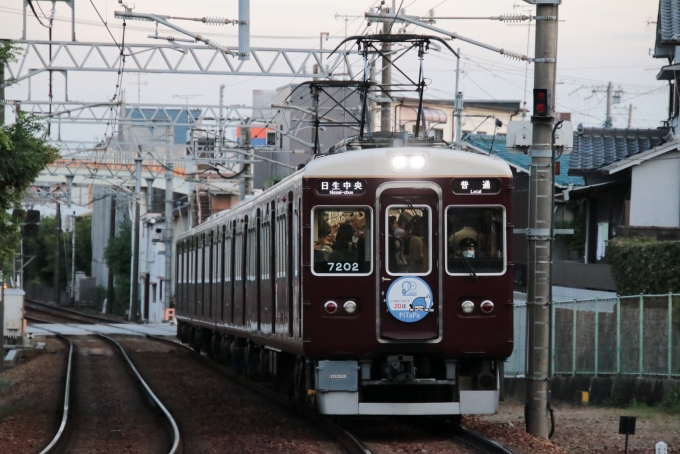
(374, 281)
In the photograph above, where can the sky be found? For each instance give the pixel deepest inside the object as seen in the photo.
(599, 42)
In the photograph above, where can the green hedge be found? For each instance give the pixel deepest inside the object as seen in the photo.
(644, 265)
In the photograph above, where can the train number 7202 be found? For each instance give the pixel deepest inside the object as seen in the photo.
(340, 267)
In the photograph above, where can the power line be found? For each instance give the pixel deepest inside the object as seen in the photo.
(105, 24)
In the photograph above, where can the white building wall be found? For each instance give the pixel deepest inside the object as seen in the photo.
(655, 192)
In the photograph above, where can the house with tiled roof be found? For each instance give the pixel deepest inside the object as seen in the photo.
(628, 183)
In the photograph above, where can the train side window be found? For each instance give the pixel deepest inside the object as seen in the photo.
(475, 240)
(227, 259)
(342, 240)
(409, 243)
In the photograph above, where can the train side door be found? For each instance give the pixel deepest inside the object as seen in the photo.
(409, 257)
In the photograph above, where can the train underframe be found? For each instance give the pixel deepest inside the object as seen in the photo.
(383, 384)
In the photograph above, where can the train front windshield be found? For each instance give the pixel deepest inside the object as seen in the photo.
(342, 240)
(475, 240)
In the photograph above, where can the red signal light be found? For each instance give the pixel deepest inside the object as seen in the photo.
(541, 102)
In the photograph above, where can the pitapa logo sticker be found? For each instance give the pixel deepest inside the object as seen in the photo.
(409, 299)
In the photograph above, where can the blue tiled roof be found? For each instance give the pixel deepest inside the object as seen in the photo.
(520, 159)
(668, 26)
(595, 148)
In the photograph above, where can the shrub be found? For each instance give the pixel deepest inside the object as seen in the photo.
(644, 265)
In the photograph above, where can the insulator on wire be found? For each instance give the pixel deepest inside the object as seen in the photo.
(218, 46)
(214, 20)
(514, 55)
(513, 18)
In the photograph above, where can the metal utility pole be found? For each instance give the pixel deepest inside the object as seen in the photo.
(134, 285)
(539, 231)
(458, 106)
(110, 291)
(168, 232)
(57, 240)
(386, 107)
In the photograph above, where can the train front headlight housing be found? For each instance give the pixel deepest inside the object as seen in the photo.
(467, 307)
(331, 307)
(350, 307)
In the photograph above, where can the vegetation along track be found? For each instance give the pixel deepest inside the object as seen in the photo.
(107, 404)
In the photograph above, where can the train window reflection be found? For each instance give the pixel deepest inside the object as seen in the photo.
(475, 240)
(341, 240)
(409, 240)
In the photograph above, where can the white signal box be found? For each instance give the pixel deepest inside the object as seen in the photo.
(520, 134)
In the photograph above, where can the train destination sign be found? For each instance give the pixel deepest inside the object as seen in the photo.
(341, 187)
(476, 186)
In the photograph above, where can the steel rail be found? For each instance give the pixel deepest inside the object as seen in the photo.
(480, 442)
(147, 389)
(352, 444)
(69, 311)
(156, 400)
(67, 398)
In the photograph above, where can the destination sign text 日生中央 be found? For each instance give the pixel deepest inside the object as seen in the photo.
(341, 187)
(476, 186)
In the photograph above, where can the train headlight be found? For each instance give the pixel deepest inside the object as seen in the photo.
(486, 307)
(350, 307)
(331, 307)
(408, 163)
(399, 162)
(468, 307)
(416, 162)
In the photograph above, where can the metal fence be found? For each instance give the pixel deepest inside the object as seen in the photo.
(627, 335)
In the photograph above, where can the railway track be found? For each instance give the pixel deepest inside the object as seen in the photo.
(469, 441)
(59, 314)
(107, 405)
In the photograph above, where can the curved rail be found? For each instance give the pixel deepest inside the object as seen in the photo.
(67, 398)
(171, 420)
(147, 389)
(345, 438)
(48, 307)
(480, 442)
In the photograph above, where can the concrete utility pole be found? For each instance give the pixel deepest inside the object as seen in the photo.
(57, 240)
(608, 120)
(168, 232)
(134, 284)
(110, 291)
(386, 107)
(458, 106)
(539, 231)
(246, 182)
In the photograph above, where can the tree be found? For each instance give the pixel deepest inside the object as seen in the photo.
(23, 154)
(118, 254)
(41, 268)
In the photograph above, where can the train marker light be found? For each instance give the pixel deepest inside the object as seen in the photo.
(331, 307)
(350, 307)
(486, 307)
(468, 307)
